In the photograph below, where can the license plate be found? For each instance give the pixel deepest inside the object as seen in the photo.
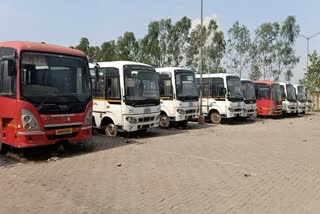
(190, 104)
(63, 131)
(147, 110)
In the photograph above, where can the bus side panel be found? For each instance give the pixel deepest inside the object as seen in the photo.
(8, 119)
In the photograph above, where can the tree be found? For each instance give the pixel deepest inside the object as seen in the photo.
(238, 48)
(274, 44)
(179, 38)
(127, 47)
(311, 79)
(83, 45)
(213, 48)
(108, 52)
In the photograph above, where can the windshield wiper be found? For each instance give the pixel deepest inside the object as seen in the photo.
(45, 100)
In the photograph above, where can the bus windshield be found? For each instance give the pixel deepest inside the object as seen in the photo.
(308, 96)
(301, 95)
(55, 83)
(234, 88)
(276, 93)
(248, 91)
(186, 86)
(291, 95)
(141, 86)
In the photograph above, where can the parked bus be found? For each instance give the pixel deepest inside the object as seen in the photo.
(288, 98)
(268, 98)
(250, 108)
(309, 101)
(126, 97)
(222, 96)
(45, 95)
(301, 97)
(179, 97)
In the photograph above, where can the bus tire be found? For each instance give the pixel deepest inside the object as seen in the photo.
(164, 121)
(111, 130)
(1, 147)
(215, 117)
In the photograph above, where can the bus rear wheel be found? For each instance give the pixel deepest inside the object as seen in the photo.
(215, 117)
(164, 121)
(111, 130)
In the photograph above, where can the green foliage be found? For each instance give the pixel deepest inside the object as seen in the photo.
(238, 48)
(213, 48)
(127, 47)
(311, 79)
(274, 45)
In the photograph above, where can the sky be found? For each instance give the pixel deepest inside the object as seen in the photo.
(64, 22)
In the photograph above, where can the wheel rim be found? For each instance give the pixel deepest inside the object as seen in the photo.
(215, 118)
(111, 130)
(164, 121)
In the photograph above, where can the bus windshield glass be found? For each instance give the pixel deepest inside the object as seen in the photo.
(248, 91)
(186, 86)
(234, 88)
(141, 86)
(276, 93)
(291, 95)
(301, 95)
(55, 83)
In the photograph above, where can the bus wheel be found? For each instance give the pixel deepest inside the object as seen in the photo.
(215, 117)
(111, 130)
(164, 121)
(0, 147)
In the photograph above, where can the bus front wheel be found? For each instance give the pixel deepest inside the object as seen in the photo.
(215, 117)
(164, 121)
(111, 130)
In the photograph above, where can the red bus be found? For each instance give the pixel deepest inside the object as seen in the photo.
(45, 95)
(268, 98)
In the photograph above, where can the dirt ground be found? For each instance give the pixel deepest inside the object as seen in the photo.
(263, 166)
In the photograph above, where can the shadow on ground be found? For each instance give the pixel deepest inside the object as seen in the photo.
(97, 143)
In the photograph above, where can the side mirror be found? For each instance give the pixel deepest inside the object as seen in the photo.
(96, 70)
(224, 91)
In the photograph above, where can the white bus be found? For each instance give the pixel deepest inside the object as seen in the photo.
(289, 98)
(301, 98)
(309, 101)
(126, 97)
(249, 95)
(222, 96)
(179, 96)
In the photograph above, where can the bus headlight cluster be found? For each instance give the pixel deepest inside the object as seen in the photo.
(29, 121)
(181, 111)
(131, 120)
(88, 119)
(231, 109)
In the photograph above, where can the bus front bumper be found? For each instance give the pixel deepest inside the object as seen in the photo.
(26, 139)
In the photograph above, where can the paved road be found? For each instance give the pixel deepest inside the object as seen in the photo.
(268, 166)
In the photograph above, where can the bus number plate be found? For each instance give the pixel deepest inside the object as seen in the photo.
(63, 131)
(190, 104)
(147, 110)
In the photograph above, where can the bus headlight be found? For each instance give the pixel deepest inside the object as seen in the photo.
(181, 111)
(29, 120)
(231, 109)
(88, 118)
(131, 120)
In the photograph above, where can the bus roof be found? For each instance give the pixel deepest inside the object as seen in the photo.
(283, 83)
(171, 69)
(246, 80)
(42, 47)
(267, 82)
(117, 64)
(222, 75)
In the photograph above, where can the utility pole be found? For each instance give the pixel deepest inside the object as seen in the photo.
(201, 118)
(308, 39)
